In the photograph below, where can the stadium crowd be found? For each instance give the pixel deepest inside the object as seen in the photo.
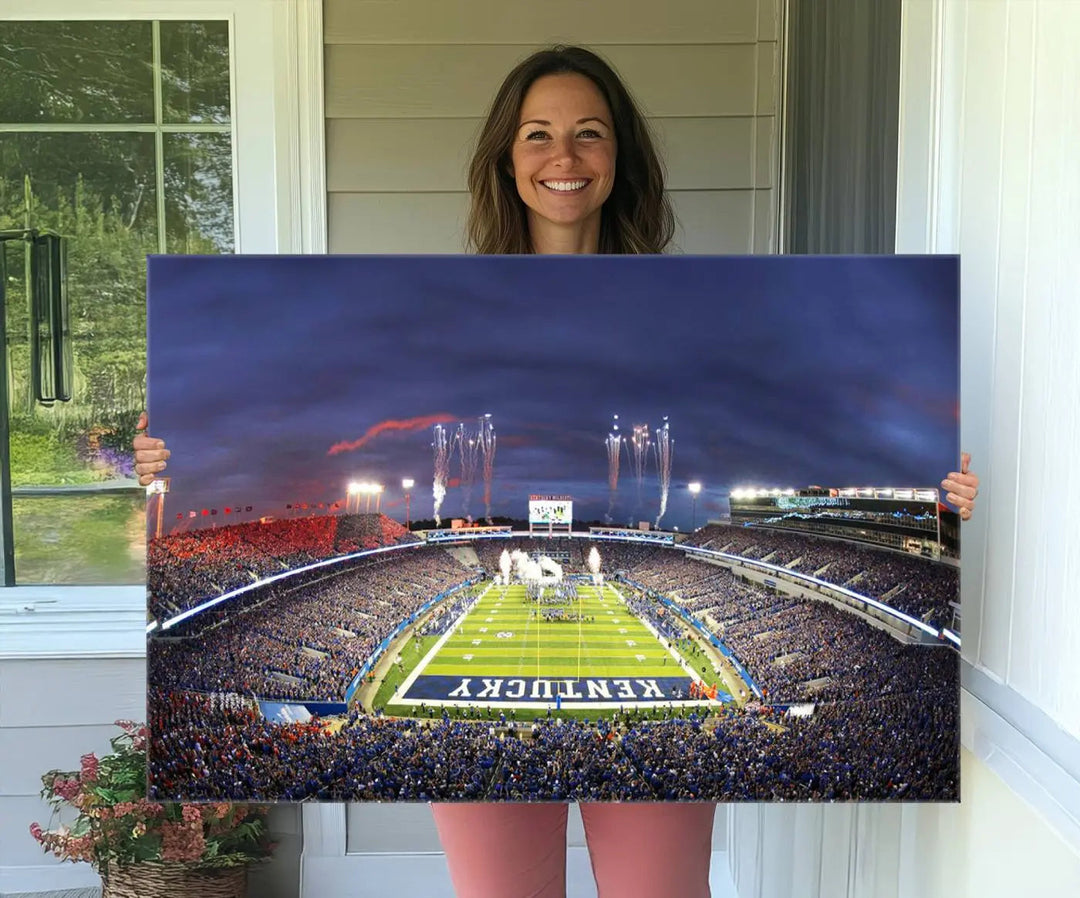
(186, 568)
(884, 727)
(917, 586)
(903, 746)
(308, 640)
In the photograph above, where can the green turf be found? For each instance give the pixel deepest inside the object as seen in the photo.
(613, 644)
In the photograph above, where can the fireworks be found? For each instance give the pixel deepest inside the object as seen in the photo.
(441, 448)
(663, 448)
(637, 447)
(468, 454)
(486, 440)
(614, 447)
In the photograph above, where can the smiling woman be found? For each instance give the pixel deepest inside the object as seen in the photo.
(565, 164)
(594, 185)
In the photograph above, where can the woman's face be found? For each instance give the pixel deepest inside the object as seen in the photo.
(563, 155)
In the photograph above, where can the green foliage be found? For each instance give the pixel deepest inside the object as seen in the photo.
(81, 539)
(38, 457)
(117, 825)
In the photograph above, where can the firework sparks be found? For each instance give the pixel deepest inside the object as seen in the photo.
(614, 448)
(663, 448)
(637, 448)
(468, 449)
(486, 440)
(441, 448)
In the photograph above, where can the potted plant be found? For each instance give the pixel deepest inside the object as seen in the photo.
(142, 847)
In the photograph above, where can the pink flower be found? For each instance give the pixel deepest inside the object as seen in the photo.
(37, 832)
(66, 788)
(149, 808)
(89, 767)
(191, 814)
(123, 808)
(81, 848)
(181, 842)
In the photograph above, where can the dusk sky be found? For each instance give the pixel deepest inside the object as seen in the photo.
(776, 371)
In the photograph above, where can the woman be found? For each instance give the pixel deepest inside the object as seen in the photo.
(565, 164)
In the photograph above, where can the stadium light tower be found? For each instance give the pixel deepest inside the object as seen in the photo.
(353, 489)
(377, 489)
(694, 488)
(407, 484)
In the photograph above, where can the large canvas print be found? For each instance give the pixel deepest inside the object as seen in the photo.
(553, 528)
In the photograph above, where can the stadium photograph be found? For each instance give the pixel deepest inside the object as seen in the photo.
(535, 529)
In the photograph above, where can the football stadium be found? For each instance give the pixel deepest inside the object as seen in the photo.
(804, 649)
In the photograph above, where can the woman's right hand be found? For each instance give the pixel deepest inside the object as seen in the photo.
(150, 453)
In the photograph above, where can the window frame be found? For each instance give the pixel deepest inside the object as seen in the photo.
(279, 202)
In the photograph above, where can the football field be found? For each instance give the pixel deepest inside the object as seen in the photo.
(509, 651)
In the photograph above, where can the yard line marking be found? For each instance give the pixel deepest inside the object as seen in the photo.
(406, 684)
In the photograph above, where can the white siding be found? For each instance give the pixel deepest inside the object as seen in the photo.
(407, 85)
(1003, 191)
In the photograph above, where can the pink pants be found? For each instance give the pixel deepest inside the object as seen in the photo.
(646, 850)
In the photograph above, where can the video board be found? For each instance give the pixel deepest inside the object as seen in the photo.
(558, 510)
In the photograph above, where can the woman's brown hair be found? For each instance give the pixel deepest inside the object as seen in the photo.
(636, 218)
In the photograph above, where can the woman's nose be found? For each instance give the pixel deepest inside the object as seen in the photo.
(564, 149)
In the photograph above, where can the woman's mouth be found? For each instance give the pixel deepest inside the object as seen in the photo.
(566, 186)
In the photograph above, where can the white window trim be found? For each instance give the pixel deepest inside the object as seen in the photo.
(280, 201)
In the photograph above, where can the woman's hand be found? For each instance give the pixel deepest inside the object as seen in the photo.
(150, 454)
(962, 487)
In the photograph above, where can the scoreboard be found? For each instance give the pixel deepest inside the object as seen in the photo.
(556, 511)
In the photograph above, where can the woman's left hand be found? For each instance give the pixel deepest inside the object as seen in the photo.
(962, 487)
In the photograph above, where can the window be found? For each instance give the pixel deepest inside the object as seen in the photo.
(192, 94)
(116, 135)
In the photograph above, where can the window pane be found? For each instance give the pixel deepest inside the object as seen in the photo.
(198, 193)
(76, 72)
(195, 71)
(99, 191)
(81, 539)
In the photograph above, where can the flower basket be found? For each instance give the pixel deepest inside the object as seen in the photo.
(143, 848)
(168, 880)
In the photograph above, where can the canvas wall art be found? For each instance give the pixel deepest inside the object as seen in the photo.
(553, 528)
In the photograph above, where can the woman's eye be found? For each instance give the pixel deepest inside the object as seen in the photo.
(536, 135)
(589, 132)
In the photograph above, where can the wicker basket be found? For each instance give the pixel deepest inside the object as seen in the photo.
(167, 880)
